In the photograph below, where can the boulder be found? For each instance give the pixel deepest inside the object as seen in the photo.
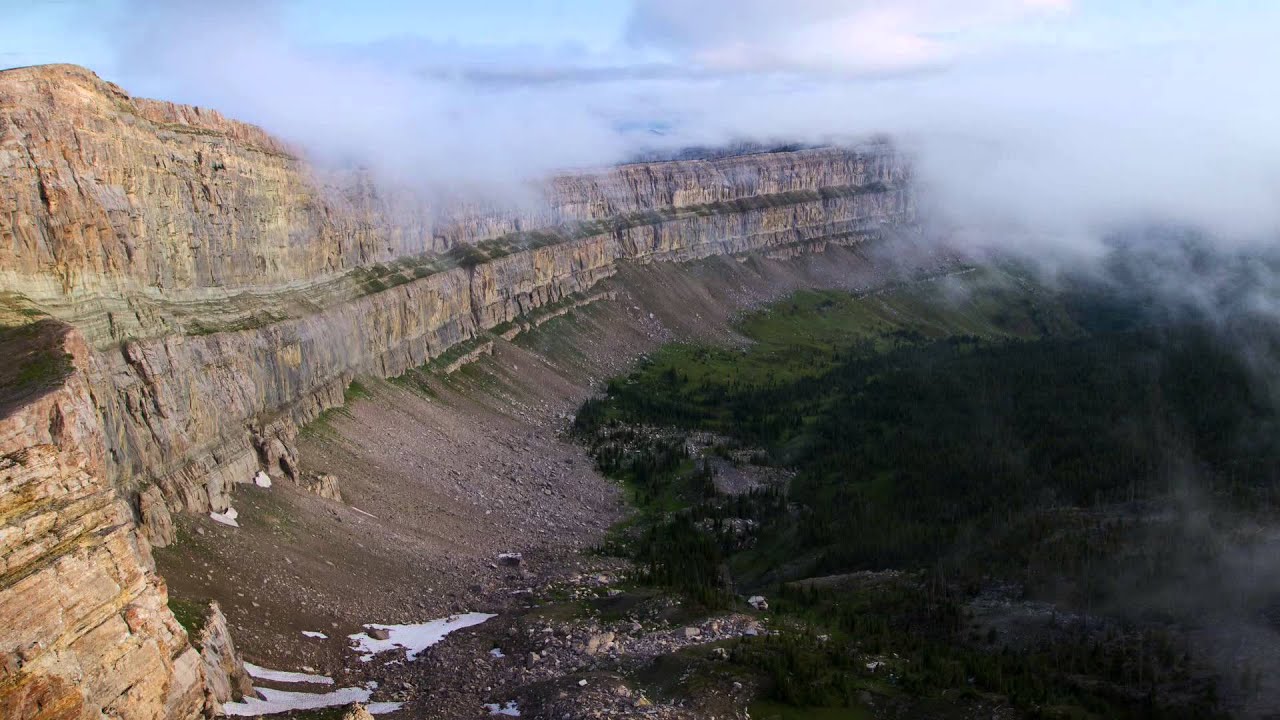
(356, 711)
(326, 486)
(599, 642)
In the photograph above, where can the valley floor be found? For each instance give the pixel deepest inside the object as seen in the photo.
(444, 477)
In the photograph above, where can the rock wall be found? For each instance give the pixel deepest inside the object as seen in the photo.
(206, 293)
(230, 294)
(109, 195)
(86, 632)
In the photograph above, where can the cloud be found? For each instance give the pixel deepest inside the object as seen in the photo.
(823, 36)
(1034, 124)
(360, 107)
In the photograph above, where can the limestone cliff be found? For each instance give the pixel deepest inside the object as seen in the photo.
(86, 632)
(205, 292)
(230, 293)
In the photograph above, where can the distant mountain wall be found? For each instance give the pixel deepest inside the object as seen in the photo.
(230, 293)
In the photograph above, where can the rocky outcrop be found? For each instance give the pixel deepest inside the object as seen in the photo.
(324, 485)
(225, 677)
(86, 632)
(231, 293)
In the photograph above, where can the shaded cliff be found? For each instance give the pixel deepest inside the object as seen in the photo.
(231, 293)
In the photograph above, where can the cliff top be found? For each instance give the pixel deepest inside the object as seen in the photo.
(60, 84)
(70, 91)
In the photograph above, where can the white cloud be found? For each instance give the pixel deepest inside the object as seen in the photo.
(825, 36)
(1027, 119)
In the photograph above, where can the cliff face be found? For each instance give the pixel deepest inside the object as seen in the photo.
(207, 293)
(86, 631)
(230, 294)
(110, 194)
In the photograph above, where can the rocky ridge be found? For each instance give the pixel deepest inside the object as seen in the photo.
(231, 293)
(202, 293)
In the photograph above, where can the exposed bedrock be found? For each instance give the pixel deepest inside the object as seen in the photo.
(86, 632)
(110, 194)
(229, 293)
(204, 293)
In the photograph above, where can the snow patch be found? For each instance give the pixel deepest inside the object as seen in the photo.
(314, 634)
(510, 709)
(262, 480)
(497, 652)
(379, 708)
(413, 638)
(226, 518)
(261, 673)
(280, 701)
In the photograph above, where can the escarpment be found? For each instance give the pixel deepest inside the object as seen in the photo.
(230, 293)
(203, 293)
(86, 631)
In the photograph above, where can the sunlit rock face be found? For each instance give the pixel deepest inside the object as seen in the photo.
(229, 293)
(205, 293)
(86, 632)
(106, 193)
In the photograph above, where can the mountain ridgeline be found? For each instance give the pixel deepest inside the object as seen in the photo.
(183, 292)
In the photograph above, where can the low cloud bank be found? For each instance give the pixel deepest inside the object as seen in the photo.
(1034, 123)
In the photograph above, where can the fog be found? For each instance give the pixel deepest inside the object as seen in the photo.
(1027, 126)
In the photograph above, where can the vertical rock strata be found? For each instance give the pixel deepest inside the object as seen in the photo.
(84, 627)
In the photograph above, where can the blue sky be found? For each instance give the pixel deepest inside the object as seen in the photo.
(78, 31)
(86, 31)
(593, 24)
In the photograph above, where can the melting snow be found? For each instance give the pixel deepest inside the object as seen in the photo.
(261, 673)
(279, 701)
(226, 518)
(413, 638)
(497, 652)
(314, 634)
(504, 709)
(262, 479)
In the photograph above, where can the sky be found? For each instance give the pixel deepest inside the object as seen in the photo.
(713, 33)
(1044, 118)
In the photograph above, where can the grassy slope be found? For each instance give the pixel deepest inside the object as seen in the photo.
(812, 357)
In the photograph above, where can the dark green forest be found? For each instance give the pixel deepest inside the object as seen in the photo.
(953, 445)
